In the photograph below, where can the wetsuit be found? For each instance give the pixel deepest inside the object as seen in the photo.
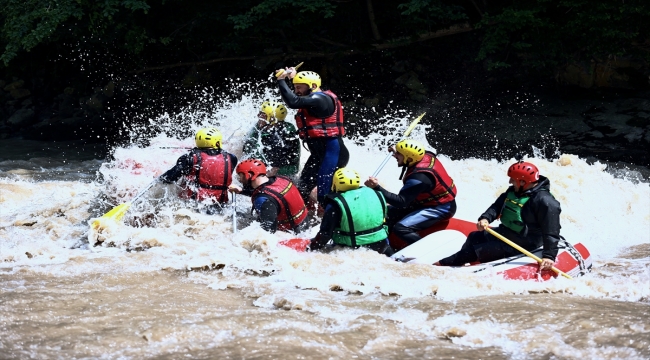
(369, 227)
(185, 167)
(277, 145)
(327, 153)
(404, 218)
(268, 209)
(541, 220)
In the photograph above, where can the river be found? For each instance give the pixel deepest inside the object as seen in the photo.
(170, 282)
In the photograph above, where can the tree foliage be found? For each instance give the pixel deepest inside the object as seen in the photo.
(28, 23)
(535, 33)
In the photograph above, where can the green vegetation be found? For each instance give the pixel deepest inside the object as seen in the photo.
(539, 34)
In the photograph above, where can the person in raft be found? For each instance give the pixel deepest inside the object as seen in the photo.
(320, 126)
(428, 194)
(207, 170)
(274, 141)
(276, 199)
(530, 217)
(354, 216)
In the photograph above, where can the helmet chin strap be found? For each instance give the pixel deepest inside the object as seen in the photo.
(404, 167)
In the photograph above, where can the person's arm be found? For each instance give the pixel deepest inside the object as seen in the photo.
(414, 186)
(493, 212)
(183, 167)
(547, 212)
(331, 218)
(233, 161)
(267, 210)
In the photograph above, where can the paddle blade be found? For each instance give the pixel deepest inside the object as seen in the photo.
(413, 124)
(118, 212)
(297, 244)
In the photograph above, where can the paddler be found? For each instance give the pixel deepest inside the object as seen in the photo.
(530, 217)
(207, 170)
(320, 126)
(354, 216)
(276, 199)
(274, 141)
(428, 194)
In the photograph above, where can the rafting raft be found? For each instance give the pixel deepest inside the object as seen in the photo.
(447, 237)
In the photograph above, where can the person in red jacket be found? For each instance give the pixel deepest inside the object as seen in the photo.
(427, 197)
(276, 199)
(320, 126)
(207, 170)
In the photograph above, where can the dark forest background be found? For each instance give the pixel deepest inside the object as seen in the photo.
(73, 69)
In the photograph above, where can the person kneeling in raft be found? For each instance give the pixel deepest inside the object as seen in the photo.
(274, 141)
(428, 194)
(530, 217)
(354, 216)
(276, 199)
(207, 170)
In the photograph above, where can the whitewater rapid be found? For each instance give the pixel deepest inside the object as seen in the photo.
(44, 233)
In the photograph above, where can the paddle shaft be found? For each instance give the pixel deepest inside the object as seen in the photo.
(525, 252)
(143, 191)
(234, 213)
(406, 133)
(281, 71)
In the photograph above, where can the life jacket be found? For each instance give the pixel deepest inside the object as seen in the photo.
(310, 126)
(292, 210)
(362, 220)
(511, 212)
(445, 189)
(210, 176)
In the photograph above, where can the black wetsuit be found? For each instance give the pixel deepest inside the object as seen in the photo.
(541, 214)
(327, 154)
(405, 220)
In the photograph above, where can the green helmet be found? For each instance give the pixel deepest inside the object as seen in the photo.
(345, 179)
(208, 138)
(307, 77)
(410, 149)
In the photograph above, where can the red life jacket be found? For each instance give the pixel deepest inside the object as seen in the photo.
(310, 126)
(210, 176)
(292, 210)
(443, 192)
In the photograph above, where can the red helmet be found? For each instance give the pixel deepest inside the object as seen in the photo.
(524, 171)
(251, 168)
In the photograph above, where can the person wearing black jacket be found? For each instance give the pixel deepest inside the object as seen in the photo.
(530, 217)
(275, 199)
(320, 126)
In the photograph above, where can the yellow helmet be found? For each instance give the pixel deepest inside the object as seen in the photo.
(345, 179)
(280, 111)
(307, 77)
(410, 149)
(208, 138)
(268, 108)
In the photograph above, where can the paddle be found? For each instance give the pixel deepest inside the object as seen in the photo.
(234, 213)
(281, 71)
(406, 133)
(118, 212)
(524, 251)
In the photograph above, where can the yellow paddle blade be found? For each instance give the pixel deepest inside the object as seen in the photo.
(413, 124)
(118, 212)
